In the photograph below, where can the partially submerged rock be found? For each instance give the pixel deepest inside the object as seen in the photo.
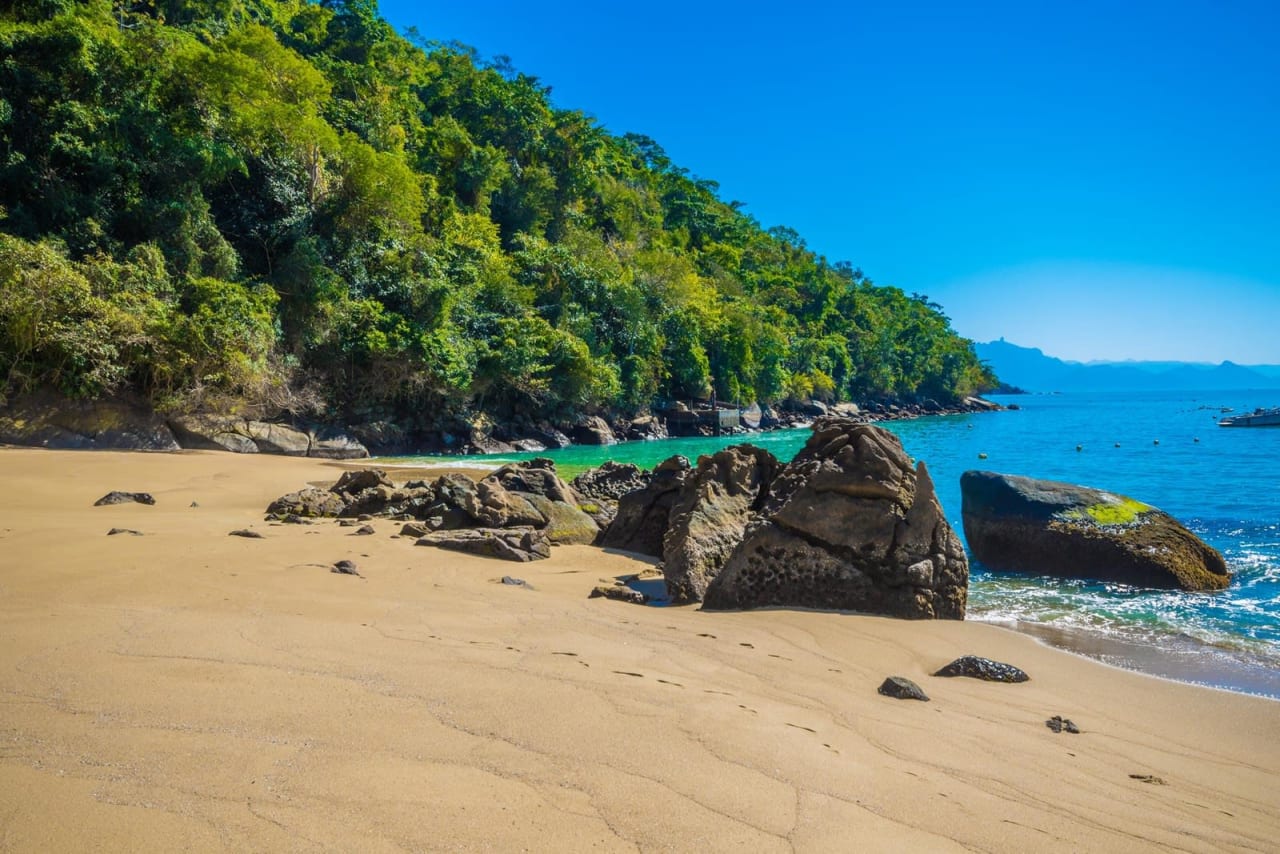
(983, 668)
(124, 498)
(1018, 524)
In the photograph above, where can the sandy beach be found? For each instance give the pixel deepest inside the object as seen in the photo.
(190, 690)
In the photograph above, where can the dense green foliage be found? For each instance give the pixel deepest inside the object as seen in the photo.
(252, 197)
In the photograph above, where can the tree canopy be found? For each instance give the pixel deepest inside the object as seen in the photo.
(253, 198)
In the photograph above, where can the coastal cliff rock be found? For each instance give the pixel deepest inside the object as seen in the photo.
(47, 420)
(1017, 524)
(708, 518)
(245, 436)
(643, 515)
(849, 524)
(593, 430)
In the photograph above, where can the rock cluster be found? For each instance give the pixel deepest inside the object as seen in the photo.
(1019, 524)
(515, 513)
(849, 524)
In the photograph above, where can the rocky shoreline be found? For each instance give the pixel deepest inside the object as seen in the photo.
(49, 420)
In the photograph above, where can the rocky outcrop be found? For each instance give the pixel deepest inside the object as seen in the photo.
(849, 524)
(520, 497)
(1017, 524)
(707, 521)
(646, 427)
(643, 515)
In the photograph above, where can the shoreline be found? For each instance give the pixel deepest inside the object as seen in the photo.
(187, 689)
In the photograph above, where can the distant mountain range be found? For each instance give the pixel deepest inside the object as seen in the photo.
(1030, 369)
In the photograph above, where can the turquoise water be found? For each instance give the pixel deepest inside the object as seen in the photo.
(1225, 487)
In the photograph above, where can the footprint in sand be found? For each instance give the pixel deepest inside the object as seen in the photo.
(712, 691)
(748, 645)
(805, 728)
(748, 709)
(775, 655)
(629, 673)
(705, 635)
(573, 654)
(832, 749)
(669, 682)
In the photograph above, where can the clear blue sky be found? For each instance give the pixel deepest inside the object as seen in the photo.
(1098, 179)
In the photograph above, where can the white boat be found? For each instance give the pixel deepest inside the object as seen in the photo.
(1257, 418)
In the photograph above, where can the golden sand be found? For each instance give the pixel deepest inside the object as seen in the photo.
(188, 690)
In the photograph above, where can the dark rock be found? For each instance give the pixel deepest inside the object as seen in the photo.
(415, 530)
(513, 582)
(115, 531)
(194, 504)
(212, 433)
(619, 592)
(593, 430)
(382, 437)
(363, 531)
(389, 501)
(345, 567)
(348, 523)
(294, 519)
(902, 688)
(610, 481)
(549, 436)
(124, 498)
(983, 668)
(1148, 778)
(310, 502)
(1057, 723)
(849, 524)
(246, 533)
(506, 544)
(1017, 524)
(708, 519)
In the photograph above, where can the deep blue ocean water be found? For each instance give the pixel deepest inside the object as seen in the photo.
(1164, 449)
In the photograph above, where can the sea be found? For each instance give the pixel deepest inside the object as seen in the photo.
(1162, 448)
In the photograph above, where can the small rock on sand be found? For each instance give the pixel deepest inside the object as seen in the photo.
(345, 567)
(115, 531)
(245, 532)
(124, 498)
(620, 593)
(1058, 723)
(363, 531)
(902, 688)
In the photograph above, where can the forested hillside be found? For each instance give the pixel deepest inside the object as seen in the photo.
(288, 205)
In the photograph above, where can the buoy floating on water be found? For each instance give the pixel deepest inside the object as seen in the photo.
(1196, 439)
(982, 456)
(1079, 447)
(1157, 441)
(1117, 444)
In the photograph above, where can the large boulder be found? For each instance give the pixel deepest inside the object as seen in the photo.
(643, 515)
(565, 523)
(1017, 524)
(310, 502)
(849, 524)
(708, 519)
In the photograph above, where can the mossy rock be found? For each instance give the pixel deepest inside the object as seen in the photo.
(1017, 524)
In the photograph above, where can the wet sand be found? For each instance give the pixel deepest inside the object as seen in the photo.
(185, 689)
